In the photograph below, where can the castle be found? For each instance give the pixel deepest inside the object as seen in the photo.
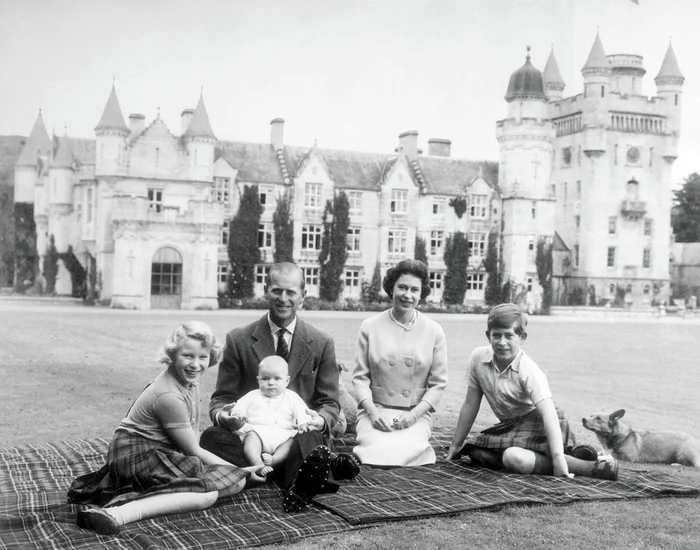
(149, 210)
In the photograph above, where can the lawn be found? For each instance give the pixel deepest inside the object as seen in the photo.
(72, 372)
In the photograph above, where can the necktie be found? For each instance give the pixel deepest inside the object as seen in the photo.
(282, 347)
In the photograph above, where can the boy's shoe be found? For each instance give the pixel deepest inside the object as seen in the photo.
(605, 469)
(96, 519)
(584, 452)
(310, 481)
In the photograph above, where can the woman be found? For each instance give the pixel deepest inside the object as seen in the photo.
(400, 374)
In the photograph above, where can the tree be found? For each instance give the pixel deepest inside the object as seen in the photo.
(78, 274)
(456, 261)
(492, 292)
(284, 229)
(421, 252)
(544, 262)
(459, 204)
(25, 246)
(371, 291)
(7, 231)
(334, 249)
(51, 266)
(686, 219)
(243, 251)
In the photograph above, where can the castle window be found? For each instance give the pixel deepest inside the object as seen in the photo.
(648, 227)
(651, 155)
(312, 195)
(222, 273)
(611, 256)
(477, 245)
(577, 219)
(647, 289)
(437, 240)
(439, 206)
(531, 247)
(675, 100)
(646, 258)
(534, 209)
(222, 191)
(576, 256)
(435, 281)
(399, 201)
(225, 228)
(475, 281)
(261, 273)
(397, 241)
(612, 225)
(602, 91)
(265, 235)
(310, 275)
(477, 206)
(352, 277)
(155, 199)
(311, 237)
(266, 195)
(89, 205)
(529, 280)
(578, 188)
(355, 200)
(353, 240)
(157, 155)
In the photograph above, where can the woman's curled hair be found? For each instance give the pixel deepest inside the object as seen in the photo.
(407, 267)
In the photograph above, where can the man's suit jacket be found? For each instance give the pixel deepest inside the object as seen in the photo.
(313, 370)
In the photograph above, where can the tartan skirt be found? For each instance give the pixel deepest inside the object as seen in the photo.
(526, 432)
(138, 467)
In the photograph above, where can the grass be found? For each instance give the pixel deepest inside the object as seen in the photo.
(72, 373)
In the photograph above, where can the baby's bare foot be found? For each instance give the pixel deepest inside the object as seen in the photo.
(265, 471)
(267, 459)
(255, 475)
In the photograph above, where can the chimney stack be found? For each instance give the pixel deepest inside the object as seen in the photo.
(439, 147)
(185, 119)
(137, 122)
(408, 144)
(277, 133)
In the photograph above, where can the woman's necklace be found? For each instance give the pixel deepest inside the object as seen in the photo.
(408, 326)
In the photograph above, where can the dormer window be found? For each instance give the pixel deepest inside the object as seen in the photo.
(399, 201)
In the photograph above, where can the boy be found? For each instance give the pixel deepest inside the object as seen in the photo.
(532, 433)
(270, 416)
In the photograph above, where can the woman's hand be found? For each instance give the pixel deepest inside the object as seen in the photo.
(406, 420)
(453, 452)
(380, 423)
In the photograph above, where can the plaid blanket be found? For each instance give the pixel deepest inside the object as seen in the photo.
(34, 512)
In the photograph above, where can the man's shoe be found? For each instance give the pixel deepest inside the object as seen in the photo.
(310, 481)
(606, 469)
(584, 452)
(96, 519)
(344, 466)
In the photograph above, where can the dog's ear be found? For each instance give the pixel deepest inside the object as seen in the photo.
(614, 417)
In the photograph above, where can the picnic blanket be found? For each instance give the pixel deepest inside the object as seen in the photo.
(34, 512)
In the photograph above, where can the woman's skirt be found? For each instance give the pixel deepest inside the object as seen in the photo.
(526, 432)
(408, 447)
(138, 467)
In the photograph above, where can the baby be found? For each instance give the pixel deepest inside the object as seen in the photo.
(270, 417)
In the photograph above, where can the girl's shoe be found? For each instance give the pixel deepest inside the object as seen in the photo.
(96, 519)
(584, 452)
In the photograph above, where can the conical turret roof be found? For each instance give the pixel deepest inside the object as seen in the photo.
(199, 125)
(63, 155)
(551, 75)
(112, 118)
(597, 58)
(38, 141)
(526, 82)
(669, 66)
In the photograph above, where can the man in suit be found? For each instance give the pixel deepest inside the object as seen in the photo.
(313, 373)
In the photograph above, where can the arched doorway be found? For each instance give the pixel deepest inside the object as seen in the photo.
(166, 279)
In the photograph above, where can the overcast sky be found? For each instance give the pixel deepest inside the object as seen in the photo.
(349, 74)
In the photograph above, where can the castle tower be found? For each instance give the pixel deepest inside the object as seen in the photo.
(525, 140)
(596, 93)
(111, 133)
(29, 164)
(596, 72)
(553, 82)
(669, 85)
(200, 141)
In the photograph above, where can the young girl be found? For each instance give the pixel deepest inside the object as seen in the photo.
(155, 465)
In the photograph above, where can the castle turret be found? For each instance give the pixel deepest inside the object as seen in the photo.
(111, 133)
(525, 141)
(553, 82)
(596, 72)
(200, 141)
(28, 167)
(596, 93)
(669, 85)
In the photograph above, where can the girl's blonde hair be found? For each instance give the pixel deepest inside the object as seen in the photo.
(193, 329)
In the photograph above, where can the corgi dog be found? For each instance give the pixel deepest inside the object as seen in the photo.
(625, 443)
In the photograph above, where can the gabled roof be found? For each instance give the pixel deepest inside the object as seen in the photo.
(199, 125)
(669, 66)
(551, 75)
(255, 162)
(559, 244)
(112, 118)
(449, 176)
(597, 58)
(83, 150)
(63, 154)
(37, 141)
